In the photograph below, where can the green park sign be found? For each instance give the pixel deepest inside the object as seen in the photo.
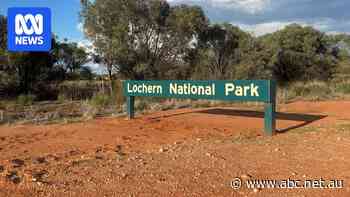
(236, 90)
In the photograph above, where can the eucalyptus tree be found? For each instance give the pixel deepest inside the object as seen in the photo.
(71, 57)
(142, 38)
(221, 48)
(3, 42)
(301, 53)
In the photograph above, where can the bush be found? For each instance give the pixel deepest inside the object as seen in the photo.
(26, 99)
(142, 104)
(313, 90)
(100, 100)
(81, 90)
(85, 90)
(45, 91)
(343, 88)
(118, 94)
(61, 98)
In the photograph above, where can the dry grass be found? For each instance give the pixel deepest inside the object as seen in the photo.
(103, 103)
(314, 91)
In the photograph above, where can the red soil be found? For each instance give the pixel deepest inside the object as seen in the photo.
(180, 153)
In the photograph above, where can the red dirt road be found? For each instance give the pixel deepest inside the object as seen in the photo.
(179, 153)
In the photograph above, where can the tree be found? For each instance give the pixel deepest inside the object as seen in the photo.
(86, 73)
(33, 68)
(219, 50)
(3, 32)
(141, 38)
(340, 46)
(300, 53)
(255, 60)
(3, 42)
(71, 57)
(186, 24)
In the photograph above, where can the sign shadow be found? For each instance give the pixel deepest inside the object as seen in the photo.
(305, 119)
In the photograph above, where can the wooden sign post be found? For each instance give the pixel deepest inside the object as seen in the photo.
(236, 90)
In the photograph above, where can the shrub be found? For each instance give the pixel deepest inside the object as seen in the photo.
(85, 90)
(81, 90)
(117, 94)
(61, 98)
(314, 90)
(100, 100)
(89, 111)
(142, 104)
(298, 89)
(26, 99)
(343, 88)
(44, 91)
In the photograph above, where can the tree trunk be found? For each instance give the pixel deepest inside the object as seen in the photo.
(110, 75)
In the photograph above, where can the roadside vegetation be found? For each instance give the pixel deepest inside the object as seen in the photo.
(149, 39)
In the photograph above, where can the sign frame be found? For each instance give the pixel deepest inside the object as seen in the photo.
(207, 90)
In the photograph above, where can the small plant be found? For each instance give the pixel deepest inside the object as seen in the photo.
(100, 100)
(314, 90)
(89, 111)
(343, 88)
(61, 98)
(299, 89)
(25, 99)
(142, 104)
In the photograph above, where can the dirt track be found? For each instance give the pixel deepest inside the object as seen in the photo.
(179, 153)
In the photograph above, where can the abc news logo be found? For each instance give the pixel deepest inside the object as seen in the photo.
(29, 35)
(29, 29)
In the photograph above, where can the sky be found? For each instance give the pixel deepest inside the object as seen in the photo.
(66, 22)
(256, 16)
(65, 15)
(265, 16)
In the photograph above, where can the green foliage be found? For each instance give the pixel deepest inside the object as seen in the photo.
(86, 73)
(300, 53)
(82, 90)
(3, 43)
(343, 88)
(37, 72)
(61, 98)
(313, 90)
(71, 57)
(341, 46)
(3, 32)
(100, 100)
(219, 44)
(151, 39)
(118, 93)
(31, 68)
(142, 104)
(142, 39)
(25, 100)
(221, 48)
